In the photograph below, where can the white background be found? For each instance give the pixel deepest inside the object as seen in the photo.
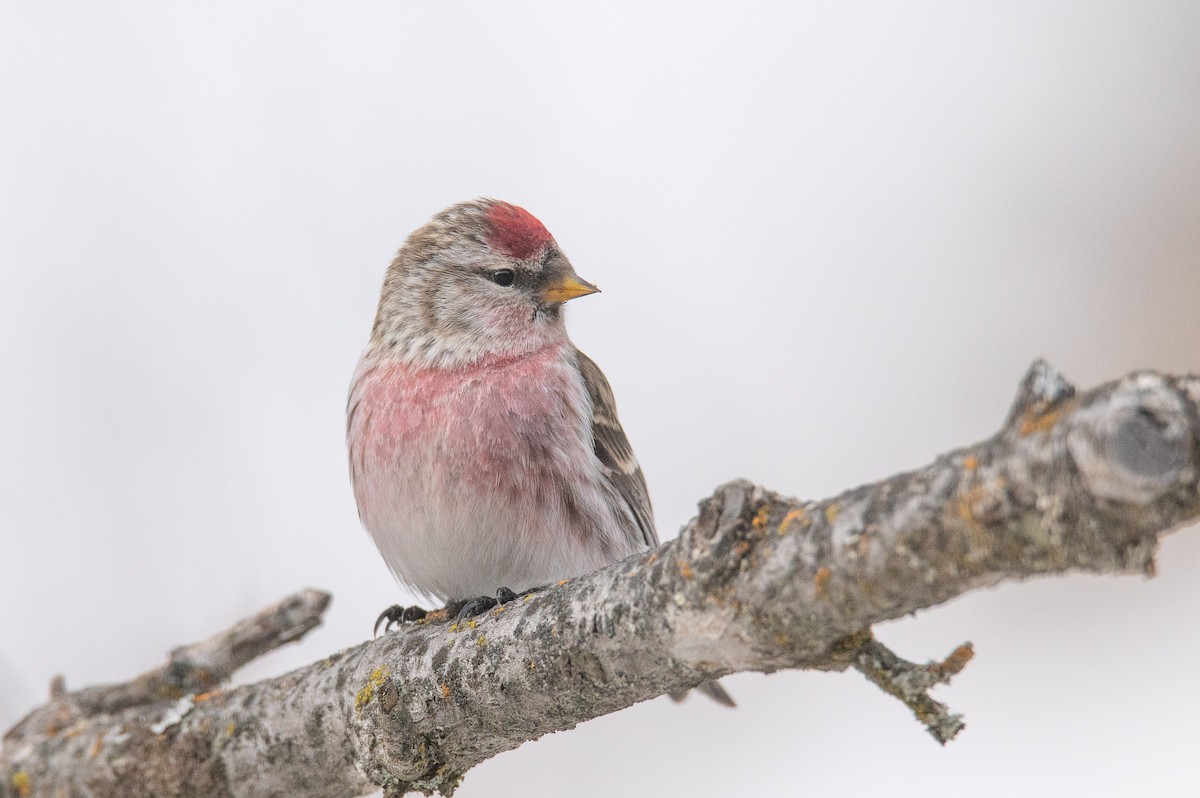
(831, 237)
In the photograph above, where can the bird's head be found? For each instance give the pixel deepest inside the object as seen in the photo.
(481, 279)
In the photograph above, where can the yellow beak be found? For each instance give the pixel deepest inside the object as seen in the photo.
(567, 287)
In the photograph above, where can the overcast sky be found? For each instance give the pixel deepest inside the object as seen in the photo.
(831, 237)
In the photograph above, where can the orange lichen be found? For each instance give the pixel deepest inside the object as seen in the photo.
(956, 661)
(966, 503)
(975, 500)
(792, 516)
(200, 699)
(971, 462)
(1042, 417)
(445, 691)
(652, 558)
(685, 570)
(821, 579)
(761, 517)
(740, 548)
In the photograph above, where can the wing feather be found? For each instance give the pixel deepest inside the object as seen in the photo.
(621, 468)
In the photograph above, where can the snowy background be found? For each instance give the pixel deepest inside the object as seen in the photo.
(831, 237)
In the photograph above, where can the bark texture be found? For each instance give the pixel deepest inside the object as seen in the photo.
(757, 581)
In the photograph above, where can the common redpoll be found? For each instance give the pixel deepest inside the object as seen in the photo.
(485, 450)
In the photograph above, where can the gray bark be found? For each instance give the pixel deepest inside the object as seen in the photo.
(756, 582)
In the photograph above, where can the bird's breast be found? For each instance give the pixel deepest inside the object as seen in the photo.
(478, 425)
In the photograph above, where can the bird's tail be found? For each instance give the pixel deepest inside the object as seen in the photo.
(712, 689)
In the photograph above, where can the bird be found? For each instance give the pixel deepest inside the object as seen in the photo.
(486, 456)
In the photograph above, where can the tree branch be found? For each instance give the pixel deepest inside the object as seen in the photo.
(203, 666)
(756, 581)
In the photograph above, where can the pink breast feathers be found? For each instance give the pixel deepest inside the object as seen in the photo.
(515, 232)
(475, 422)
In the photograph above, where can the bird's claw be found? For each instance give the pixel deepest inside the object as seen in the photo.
(480, 605)
(396, 615)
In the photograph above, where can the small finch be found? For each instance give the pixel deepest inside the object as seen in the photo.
(485, 450)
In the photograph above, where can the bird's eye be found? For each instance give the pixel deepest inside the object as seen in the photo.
(503, 277)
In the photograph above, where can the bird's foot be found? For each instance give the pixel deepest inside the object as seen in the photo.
(480, 605)
(396, 615)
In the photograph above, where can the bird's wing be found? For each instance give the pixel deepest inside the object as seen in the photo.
(621, 468)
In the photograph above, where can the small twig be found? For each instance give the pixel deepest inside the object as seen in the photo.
(202, 666)
(910, 683)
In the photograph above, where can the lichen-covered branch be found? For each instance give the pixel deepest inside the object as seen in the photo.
(202, 666)
(90, 716)
(904, 680)
(757, 581)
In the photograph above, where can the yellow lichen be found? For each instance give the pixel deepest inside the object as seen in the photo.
(761, 517)
(21, 783)
(831, 513)
(562, 582)
(378, 677)
(481, 641)
(230, 729)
